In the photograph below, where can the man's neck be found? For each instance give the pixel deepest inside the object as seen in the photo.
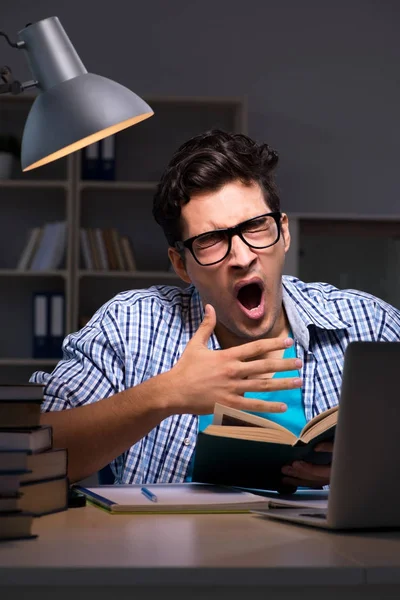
(228, 339)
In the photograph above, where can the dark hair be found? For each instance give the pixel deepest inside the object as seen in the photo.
(205, 163)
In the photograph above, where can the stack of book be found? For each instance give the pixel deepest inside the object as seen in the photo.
(106, 250)
(33, 474)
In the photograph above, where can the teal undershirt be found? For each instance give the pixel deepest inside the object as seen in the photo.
(293, 418)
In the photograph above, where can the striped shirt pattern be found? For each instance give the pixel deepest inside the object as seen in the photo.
(142, 333)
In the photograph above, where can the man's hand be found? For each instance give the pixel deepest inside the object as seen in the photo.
(203, 377)
(306, 474)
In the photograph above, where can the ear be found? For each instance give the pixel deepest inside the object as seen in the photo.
(178, 264)
(285, 233)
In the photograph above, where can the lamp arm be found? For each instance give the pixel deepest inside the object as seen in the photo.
(9, 85)
(12, 44)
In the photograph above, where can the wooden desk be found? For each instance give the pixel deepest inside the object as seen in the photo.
(87, 553)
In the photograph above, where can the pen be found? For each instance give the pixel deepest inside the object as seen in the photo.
(149, 495)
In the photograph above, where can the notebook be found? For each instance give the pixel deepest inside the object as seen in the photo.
(172, 498)
(364, 486)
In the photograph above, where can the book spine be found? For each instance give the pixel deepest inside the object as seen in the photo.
(128, 253)
(94, 249)
(118, 250)
(91, 161)
(29, 249)
(111, 255)
(40, 259)
(57, 251)
(107, 158)
(102, 249)
(57, 324)
(41, 346)
(87, 259)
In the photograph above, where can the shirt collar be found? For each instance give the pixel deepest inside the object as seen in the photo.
(302, 311)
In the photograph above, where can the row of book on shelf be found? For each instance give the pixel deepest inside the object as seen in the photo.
(33, 473)
(101, 249)
(45, 248)
(106, 250)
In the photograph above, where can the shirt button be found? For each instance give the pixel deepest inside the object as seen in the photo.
(186, 441)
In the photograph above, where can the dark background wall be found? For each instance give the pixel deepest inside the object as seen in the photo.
(322, 79)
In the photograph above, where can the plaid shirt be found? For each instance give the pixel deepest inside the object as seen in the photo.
(141, 333)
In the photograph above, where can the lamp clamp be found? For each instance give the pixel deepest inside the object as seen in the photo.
(9, 85)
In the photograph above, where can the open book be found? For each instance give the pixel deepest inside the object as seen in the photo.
(230, 422)
(246, 450)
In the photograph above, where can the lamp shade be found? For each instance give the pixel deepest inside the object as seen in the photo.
(74, 108)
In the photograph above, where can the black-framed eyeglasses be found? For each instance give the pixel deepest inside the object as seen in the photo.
(211, 247)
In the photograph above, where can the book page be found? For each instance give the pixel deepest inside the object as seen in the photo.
(258, 434)
(227, 416)
(320, 423)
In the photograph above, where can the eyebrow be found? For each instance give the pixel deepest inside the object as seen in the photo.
(212, 228)
(229, 227)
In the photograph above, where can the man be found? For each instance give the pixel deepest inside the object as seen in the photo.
(141, 377)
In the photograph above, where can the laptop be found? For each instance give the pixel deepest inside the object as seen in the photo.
(365, 477)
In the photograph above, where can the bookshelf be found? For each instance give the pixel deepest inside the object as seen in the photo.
(348, 251)
(29, 200)
(58, 191)
(141, 154)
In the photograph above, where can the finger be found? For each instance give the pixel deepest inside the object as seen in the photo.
(269, 365)
(260, 348)
(307, 471)
(324, 447)
(268, 384)
(206, 327)
(260, 406)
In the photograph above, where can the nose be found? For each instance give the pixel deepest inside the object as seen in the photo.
(241, 255)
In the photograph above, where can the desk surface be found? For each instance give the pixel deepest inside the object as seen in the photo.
(87, 546)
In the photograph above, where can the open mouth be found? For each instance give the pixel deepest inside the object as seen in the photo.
(250, 295)
(250, 298)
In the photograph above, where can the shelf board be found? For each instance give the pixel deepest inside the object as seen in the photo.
(33, 183)
(27, 362)
(118, 185)
(17, 273)
(195, 100)
(342, 216)
(130, 274)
